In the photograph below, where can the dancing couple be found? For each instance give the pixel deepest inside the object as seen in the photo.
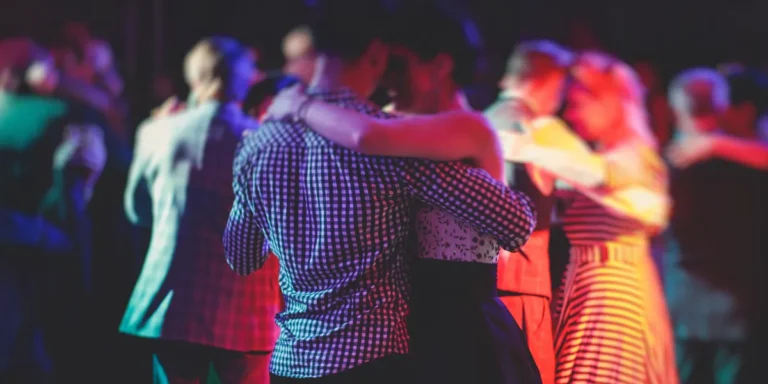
(338, 190)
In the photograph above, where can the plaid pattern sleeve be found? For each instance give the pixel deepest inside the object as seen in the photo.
(245, 246)
(472, 195)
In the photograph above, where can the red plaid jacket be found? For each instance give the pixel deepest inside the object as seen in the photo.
(186, 290)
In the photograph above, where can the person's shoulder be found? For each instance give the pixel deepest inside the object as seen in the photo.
(272, 129)
(48, 106)
(274, 133)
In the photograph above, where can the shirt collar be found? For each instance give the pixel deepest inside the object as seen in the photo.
(334, 94)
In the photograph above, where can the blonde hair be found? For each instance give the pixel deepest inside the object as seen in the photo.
(540, 57)
(601, 73)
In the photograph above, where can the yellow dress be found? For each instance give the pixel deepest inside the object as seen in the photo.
(611, 319)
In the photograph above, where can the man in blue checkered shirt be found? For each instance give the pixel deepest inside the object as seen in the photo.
(339, 221)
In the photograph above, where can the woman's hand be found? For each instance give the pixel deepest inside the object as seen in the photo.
(171, 106)
(690, 149)
(515, 144)
(286, 103)
(509, 114)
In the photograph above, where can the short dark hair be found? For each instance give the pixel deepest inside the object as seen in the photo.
(266, 88)
(431, 27)
(749, 86)
(346, 28)
(230, 62)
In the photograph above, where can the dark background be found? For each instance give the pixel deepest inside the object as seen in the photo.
(150, 37)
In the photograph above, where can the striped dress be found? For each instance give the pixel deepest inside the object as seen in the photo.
(611, 319)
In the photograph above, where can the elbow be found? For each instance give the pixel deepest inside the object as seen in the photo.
(243, 266)
(241, 259)
(529, 221)
(370, 139)
(524, 226)
(658, 220)
(592, 179)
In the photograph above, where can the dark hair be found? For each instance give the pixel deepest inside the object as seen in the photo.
(433, 27)
(230, 62)
(266, 88)
(346, 28)
(749, 86)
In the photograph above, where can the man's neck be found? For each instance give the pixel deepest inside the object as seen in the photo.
(450, 98)
(457, 101)
(333, 73)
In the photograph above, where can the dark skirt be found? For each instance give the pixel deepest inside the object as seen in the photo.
(461, 332)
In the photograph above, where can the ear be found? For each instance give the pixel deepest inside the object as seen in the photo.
(211, 91)
(377, 55)
(443, 64)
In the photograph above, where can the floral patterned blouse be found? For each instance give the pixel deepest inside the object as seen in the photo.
(444, 237)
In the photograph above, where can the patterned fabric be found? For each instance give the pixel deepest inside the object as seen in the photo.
(339, 222)
(594, 218)
(441, 236)
(611, 320)
(186, 292)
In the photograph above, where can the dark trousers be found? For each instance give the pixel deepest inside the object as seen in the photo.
(182, 363)
(387, 370)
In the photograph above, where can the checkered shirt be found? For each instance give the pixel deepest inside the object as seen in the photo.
(186, 292)
(339, 223)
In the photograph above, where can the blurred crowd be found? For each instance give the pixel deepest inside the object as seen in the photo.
(80, 278)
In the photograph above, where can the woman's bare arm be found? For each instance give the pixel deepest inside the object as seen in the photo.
(631, 181)
(448, 136)
(751, 153)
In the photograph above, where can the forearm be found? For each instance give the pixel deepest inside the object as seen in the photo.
(345, 127)
(449, 136)
(473, 196)
(245, 246)
(137, 201)
(648, 207)
(585, 170)
(138, 206)
(747, 152)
